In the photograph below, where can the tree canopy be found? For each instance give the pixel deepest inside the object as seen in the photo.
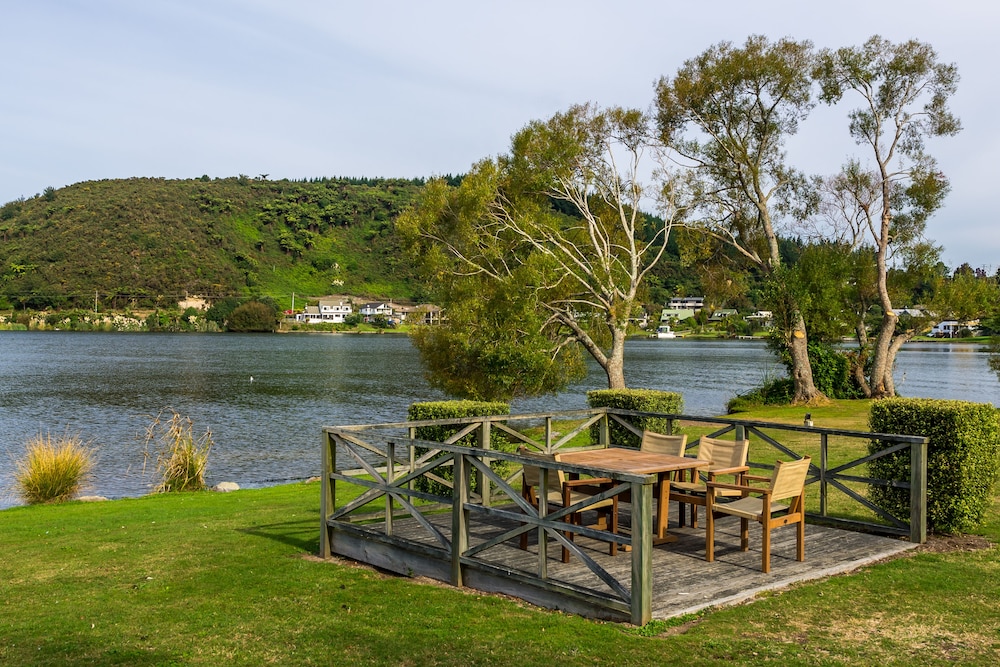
(556, 224)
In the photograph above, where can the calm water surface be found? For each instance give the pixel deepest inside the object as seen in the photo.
(107, 388)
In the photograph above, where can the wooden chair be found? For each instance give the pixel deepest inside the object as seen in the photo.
(728, 457)
(565, 492)
(660, 443)
(787, 482)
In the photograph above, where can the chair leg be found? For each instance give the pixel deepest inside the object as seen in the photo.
(744, 534)
(694, 515)
(569, 536)
(800, 541)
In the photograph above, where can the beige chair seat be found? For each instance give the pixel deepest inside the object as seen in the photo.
(752, 508)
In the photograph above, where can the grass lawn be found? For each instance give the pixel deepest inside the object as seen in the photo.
(202, 578)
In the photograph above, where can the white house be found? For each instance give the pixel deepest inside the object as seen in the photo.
(370, 311)
(332, 310)
(951, 328)
(686, 303)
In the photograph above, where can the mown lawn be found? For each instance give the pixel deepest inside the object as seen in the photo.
(205, 578)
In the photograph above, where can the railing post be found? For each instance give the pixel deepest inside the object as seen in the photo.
(918, 492)
(543, 538)
(604, 439)
(548, 433)
(642, 553)
(823, 444)
(482, 481)
(741, 432)
(327, 494)
(459, 518)
(390, 475)
(412, 433)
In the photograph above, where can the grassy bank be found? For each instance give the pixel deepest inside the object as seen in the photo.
(204, 578)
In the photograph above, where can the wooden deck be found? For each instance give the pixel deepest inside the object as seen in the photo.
(683, 582)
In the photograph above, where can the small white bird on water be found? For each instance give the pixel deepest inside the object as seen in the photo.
(251, 379)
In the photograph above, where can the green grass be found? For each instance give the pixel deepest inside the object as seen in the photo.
(204, 578)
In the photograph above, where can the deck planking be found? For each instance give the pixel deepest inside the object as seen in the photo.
(683, 582)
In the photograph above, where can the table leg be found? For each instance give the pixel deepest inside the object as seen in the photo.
(662, 511)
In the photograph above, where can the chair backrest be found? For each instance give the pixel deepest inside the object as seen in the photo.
(723, 453)
(789, 478)
(532, 475)
(659, 443)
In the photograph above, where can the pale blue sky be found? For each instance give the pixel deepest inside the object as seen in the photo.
(98, 89)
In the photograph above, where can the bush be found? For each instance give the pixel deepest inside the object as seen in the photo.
(640, 400)
(52, 471)
(253, 316)
(451, 410)
(962, 458)
(181, 459)
(773, 392)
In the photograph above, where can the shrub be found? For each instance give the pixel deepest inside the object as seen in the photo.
(962, 458)
(451, 410)
(253, 316)
(52, 470)
(181, 459)
(640, 400)
(777, 391)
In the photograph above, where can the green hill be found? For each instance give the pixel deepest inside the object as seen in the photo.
(145, 242)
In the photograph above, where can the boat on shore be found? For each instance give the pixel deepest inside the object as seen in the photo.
(663, 331)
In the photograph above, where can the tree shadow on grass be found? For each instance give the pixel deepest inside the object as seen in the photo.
(302, 534)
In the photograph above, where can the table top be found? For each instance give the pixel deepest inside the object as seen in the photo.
(621, 459)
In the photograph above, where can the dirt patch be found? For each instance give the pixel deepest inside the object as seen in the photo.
(941, 544)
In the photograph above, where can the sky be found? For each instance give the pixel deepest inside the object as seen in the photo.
(97, 89)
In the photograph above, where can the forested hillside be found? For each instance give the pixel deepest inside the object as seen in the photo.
(147, 242)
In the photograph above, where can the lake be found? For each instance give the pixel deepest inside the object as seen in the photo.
(107, 388)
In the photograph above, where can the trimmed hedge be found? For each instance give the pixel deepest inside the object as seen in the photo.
(640, 400)
(452, 410)
(963, 458)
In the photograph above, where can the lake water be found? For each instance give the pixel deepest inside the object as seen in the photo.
(106, 388)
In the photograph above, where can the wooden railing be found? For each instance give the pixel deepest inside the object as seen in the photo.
(385, 462)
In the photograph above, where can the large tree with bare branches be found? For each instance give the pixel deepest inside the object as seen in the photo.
(728, 113)
(884, 204)
(540, 254)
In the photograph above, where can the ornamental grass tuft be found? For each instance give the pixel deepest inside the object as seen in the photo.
(181, 458)
(52, 471)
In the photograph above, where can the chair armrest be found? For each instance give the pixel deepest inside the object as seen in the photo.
(735, 470)
(734, 487)
(757, 478)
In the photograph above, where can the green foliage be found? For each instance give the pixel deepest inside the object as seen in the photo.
(52, 470)
(253, 316)
(776, 391)
(831, 369)
(963, 459)
(640, 400)
(181, 458)
(145, 242)
(451, 410)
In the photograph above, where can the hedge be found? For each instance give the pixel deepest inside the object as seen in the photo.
(962, 458)
(452, 410)
(640, 400)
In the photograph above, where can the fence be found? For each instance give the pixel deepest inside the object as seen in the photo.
(466, 536)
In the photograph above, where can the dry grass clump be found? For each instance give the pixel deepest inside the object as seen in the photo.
(52, 471)
(181, 459)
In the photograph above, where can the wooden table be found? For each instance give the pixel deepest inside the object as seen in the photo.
(621, 459)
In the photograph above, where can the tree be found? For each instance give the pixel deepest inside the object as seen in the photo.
(728, 113)
(253, 316)
(904, 100)
(554, 229)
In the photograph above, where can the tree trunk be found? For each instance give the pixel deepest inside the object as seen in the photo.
(798, 347)
(615, 360)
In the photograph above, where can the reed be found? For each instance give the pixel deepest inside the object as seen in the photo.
(181, 458)
(52, 470)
